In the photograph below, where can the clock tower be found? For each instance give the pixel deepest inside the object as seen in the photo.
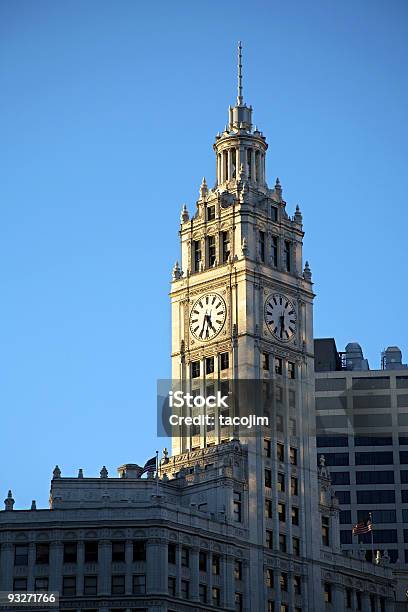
(242, 309)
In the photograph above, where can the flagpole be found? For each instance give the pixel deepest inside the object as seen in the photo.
(372, 536)
(157, 473)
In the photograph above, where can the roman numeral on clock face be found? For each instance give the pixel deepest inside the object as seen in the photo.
(207, 317)
(280, 317)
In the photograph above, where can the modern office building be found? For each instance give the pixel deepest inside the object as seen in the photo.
(236, 521)
(362, 430)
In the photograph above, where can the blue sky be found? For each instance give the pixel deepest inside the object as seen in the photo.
(108, 113)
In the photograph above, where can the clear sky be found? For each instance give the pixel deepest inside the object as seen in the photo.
(108, 113)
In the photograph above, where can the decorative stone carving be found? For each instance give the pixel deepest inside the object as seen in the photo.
(104, 472)
(57, 472)
(9, 502)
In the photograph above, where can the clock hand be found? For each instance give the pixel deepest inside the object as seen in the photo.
(202, 329)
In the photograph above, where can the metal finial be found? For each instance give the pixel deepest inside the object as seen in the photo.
(240, 99)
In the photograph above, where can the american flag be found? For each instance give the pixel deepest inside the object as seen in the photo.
(363, 527)
(150, 465)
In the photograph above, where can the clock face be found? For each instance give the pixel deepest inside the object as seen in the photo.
(207, 316)
(280, 317)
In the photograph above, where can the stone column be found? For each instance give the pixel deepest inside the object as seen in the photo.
(194, 573)
(56, 557)
(80, 568)
(209, 575)
(156, 566)
(6, 566)
(129, 562)
(105, 559)
(228, 580)
(31, 564)
(276, 583)
(339, 598)
(253, 163)
(178, 571)
(365, 602)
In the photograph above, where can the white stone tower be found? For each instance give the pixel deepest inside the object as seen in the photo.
(242, 308)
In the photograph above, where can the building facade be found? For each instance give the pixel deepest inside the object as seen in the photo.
(362, 430)
(233, 521)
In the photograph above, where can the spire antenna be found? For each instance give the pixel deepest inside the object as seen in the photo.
(240, 99)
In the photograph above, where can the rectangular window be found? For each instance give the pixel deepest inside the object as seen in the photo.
(343, 497)
(237, 507)
(327, 592)
(293, 485)
(202, 593)
(349, 598)
(291, 370)
(279, 423)
(265, 361)
(375, 477)
(118, 552)
(69, 585)
(225, 247)
(195, 369)
(209, 365)
(90, 585)
(269, 538)
(171, 586)
(269, 578)
(283, 582)
(185, 557)
(21, 554)
(295, 515)
(267, 448)
(268, 508)
(171, 553)
(211, 250)
(340, 478)
(278, 365)
(292, 426)
(281, 482)
(282, 543)
(185, 589)
(376, 497)
(139, 584)
(268, 478)
(202, 561)
(274, 214)
(216, 565)
(287, 255)
(196, 255)
(42, 554)
(224, 361)
(280, 452)
(345, 517)
(41, 584)
(238, 570)
(359, 600)
(91, 552)
(70, 552)
(293, 456)
(325, 531)
(210, 213)
(139, 550)
(239, 602)
(118, 585)
(297, 585)
(335, 440)
(296, 547)
(282, 512)
(20, 584)
(215, 596)
(262, 246)
(274, 251)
